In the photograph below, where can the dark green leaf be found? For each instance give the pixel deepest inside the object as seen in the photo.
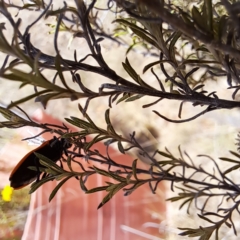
(134, 169)
(120, 147)
(38, 184)
(82, 184)
(97, 189)
(55, 190)
(153, 64)
(135, 97)
(125, 96)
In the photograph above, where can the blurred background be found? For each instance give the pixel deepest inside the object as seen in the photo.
(142, 215)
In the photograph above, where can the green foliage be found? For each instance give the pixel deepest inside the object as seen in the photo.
(185, 37)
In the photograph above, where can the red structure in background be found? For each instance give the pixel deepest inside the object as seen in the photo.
(73, 215)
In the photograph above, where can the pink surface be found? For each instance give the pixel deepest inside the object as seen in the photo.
(72, 214)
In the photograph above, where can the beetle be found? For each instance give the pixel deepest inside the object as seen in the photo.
(21, 175)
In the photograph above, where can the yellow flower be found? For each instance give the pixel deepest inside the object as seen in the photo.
(7, 193)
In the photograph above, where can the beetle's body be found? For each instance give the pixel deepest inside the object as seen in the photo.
(22, 175)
